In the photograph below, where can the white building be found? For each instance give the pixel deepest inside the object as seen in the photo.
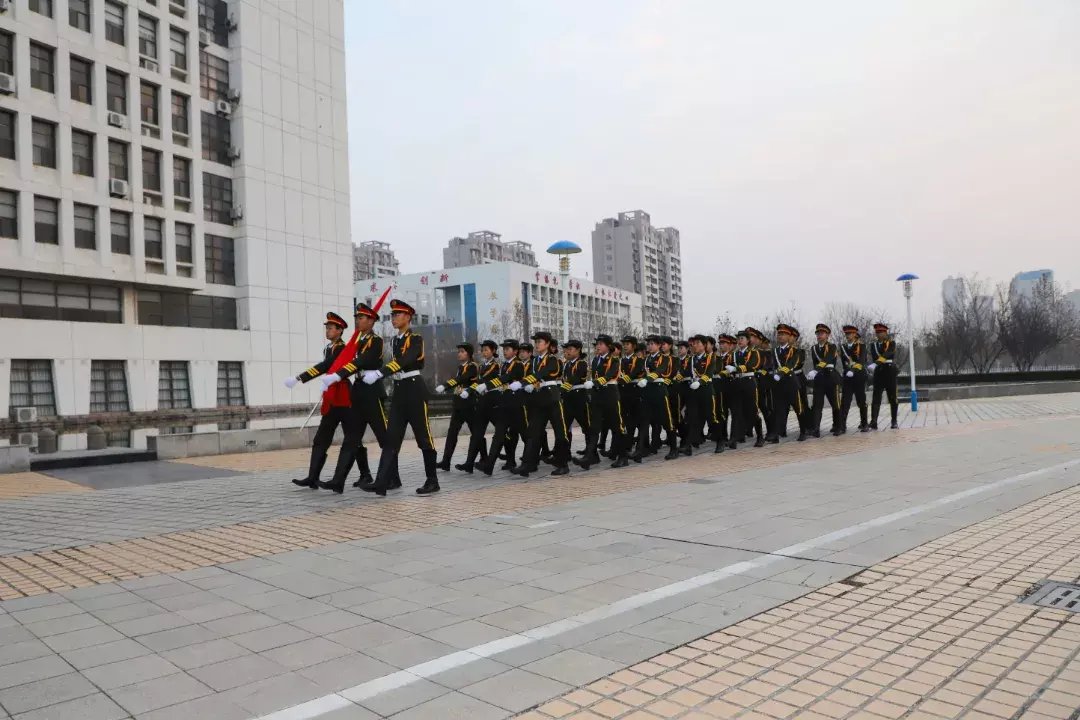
(1024, 283)
(502, 300)
(174, 201)
(1073, 298)
(629, 253)
(374, 260)
(485, 246)
(952, 291)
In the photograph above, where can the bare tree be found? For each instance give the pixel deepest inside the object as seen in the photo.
(971, 327)
(1032, 324)
(725, 323)
(511, 323)
(935, 345)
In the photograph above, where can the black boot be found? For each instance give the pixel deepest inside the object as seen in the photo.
(315, 467)
(363, 467)
(620, 462)
(673, 452)
(760, 442)
(432, 483)
(719, 447)
(465, 467)
(802, 436)
(560, 470)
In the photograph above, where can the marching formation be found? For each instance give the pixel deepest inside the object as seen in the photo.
(629, 400)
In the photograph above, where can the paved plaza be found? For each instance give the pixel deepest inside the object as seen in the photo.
(869, 576)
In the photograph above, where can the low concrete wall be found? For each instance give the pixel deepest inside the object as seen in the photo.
(14, 458)
(172, 447)
(970, 392)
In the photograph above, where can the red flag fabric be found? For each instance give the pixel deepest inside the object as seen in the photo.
(338, 394)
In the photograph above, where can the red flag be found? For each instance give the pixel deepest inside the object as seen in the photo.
(338, 394)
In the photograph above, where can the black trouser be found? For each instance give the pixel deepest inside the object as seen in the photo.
(677, 398)
(630, 400)
(607, 416)
(765, 403)
(408, 408)
(700, 409)
(577, 407)
(885, 376)
(718, 425)
(324, 438)
(464, 414)
(656, 416)
(744, 408)
(508, 427)
(368, 411)
(546, 409)
(826, 387)
(487, 407)
(787, 396)
(855, 385)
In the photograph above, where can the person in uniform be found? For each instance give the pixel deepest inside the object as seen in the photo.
(700, 403)
(525, 354)
(765, 382)
(659, 372)
(606, 406)
(883, 364)
(853, 356)
(577, 403)
(633, 371)
(747, 362)
(724, 388)
(409, 404)
(463, 409)
(510, 415)
(788, 367)
(486, 406)
(824, 374)
(335, 410)
(680, 387)
(605, 448)
(541, 382)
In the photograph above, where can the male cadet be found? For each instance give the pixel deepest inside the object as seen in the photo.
(825, 358)
(700, 403)
(883, 364)
(632, 369)
(786, 396)
(408, 405)
(765, 383)
(659, 371)
(606, 407)
(486, 406)
(717, 422)
(680, 387)
(335, 411)
(367, 400)
(605, 448)
(525, 355)
(577, 403)
(510, 415)
(542, 381)
(463, 411)
(853, 354)
(724, 382)
(744, 412)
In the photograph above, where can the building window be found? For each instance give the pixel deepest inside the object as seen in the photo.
(42, 6)
(7, 53)
(118, 160)
(214, 18)
(230, 384)
(176, 309)
(149, 104)
(120, 232)
(152, 238)
(46, 220)
(213, 76)
(82, 80)
(82, 153)
(216, 138)
(85, 226)
(116, 91)
(217, 198)
(115, 22)
(178, 48)
(181, 177)
(173, 389)
(151, 170)
(7, 134)
(79, 14)
(9, 214)
(44, 142)
(183, 243)
(148, 36)
(32, 386)
(180, 115)
(220, 260)
(47, 300)
(42, 69)
(108, 386)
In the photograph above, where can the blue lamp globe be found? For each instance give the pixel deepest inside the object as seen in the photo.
(564, 247)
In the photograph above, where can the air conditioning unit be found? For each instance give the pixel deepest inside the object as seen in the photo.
(117, 119)
(234, 95)
(234, 153)
(148, 64)
(237, 212)
(231, 23)
(204, 38)
(118, 188)
(224, 107)
(7, 82)
(25, 415)
(27, 438)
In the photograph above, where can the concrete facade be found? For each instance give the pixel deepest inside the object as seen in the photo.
(484, 246)
(374, 259)
(281, 97)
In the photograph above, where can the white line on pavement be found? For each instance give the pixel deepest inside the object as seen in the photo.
(364, 691)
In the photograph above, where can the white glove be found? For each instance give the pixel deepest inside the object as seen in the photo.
(481, 389)
(811, 375)
(695, 385)
(588, 384)
(464, 395)
(642, 382)
(515, 386)
(328, 380)
(530, 388)
(440, 388)
(872, 366)
(776, 377)
(730, 368)
(290, 382)
(850, 373)
(372, 376)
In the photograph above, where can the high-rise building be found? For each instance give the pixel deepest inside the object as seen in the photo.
(1073, 298)
(1024, 283)
(952, 291)
(484, 246)
(174, 201)
(629, 253)
(374, 260)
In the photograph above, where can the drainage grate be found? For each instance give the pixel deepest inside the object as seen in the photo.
(1057, 595)
(703, 481)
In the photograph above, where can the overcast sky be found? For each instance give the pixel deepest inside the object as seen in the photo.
(807, 151)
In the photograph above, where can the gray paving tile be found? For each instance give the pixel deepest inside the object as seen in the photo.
(516, 690)
(573, 667)
(624, 648)
(271, 637)
(90, 707)
(206, 653)
(292, 611)
(517, 619)
(276, 693)
(329, 622)
(48, 612)
(239, 624)
(128, 672)
(369, 635)
(160, 692)
(452, 706)
(675, 632)
(177, 637)
(423, 620)
(307, 653)
(466, 634)
(409, 651)
(103, 654)
(77, 639)
(354, 712)
(345, 672)
(41, 693)
(20, 651)
(384, 608)
(210, 707)
(151, 624)
(212, 611)
(469, 673)
(38, 668)
(60, 626)
(127, 611)
(238, 671)
(403, 698)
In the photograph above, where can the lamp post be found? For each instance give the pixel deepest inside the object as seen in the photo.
(907, 278)
(564, 249)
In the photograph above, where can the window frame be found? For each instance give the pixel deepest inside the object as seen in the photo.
(211, 85)
(150, 103)
(108, 386)
(148, 36)
(178, 38)
(182, 257)
(51, 237)
(111, 98)
(43, 155)
(184, 127)
(42, 7)
(120, 244)
(80, 17)
(230, 384)
(174, 385)
(40, 391)
(216, 137)
(41, 53)
(126, 156)
(153, 228)
(151, 170)
(113, 30)
(219, 252)
(217, 198)
(85, 239)
(182, 182)
(85, 161)
(9, 199)
(7, 52)
(9, 133)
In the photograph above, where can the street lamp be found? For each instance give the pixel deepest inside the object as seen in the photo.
(906, 278)
(564, 249)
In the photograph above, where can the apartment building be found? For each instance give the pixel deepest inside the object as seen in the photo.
(374, 260)
(485, 246)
